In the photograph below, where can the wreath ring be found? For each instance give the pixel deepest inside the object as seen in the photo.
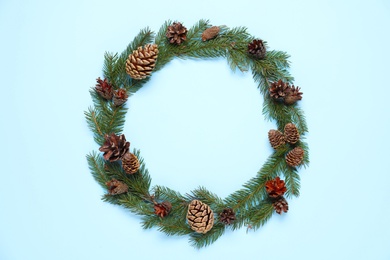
(200, 213)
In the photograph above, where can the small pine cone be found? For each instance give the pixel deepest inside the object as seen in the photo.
(295, 156)
(280, 204)
(279, 90)
(142, 61)
(176, 33)
(291, 133)
(162, 209)
(276, 138)
(257, 49)
(200, 217)
(120, 97)
(116, 187)
(227, 216)
(115, 147)
(293, 95)
(210, 33)
(104, 89)
(130, 163)
(275, 187)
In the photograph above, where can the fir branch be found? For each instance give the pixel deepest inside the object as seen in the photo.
(207, 197)
(292, 182)
(195, 32)
(305, 147)
(93, 120)
(201, 240)
(117, 119)
(297, 117)
(96, 166)
(135, 204)
(110, 71)
(261, 214)
(166, 50)
(253, 192)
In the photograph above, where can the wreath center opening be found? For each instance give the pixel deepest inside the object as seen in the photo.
(200, 125)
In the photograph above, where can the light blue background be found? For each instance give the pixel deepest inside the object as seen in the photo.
(196, 123)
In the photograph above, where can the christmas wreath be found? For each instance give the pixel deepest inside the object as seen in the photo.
(200, 213)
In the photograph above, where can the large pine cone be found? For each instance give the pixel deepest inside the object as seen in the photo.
(295, 156)
(276, 138)
(227, 216)
(291, 133)
(200, 217)
(279, 90)
(115, 147)
(130, 163)
(142, 61)
(257, 49)
(120, 97)
(104, 89)
(210, 33)
(116, 187)
(176, 33)
(280, 204)
(275, 187)
(293, 95)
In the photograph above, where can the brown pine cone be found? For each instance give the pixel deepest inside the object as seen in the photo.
(280, 204)
(275, 187)
(279, 90)
(116, 187)
(120, 97)
(130, 163)
(210, 33)
(291, 133)
(295, 156)
(162, 209)
(104, 89)
(142, 61)
(293, 95)
(176, 33)
(200, 217)
(276, 138)
(257, 49)
(227, 216)
(115, 147)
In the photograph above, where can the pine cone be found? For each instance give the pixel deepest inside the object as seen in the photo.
(227, 216)
(115, 147)
(210, 33)
(276, 138)
(280, 204)
(279, 90)
(275, 187)
(291, 133)
(257, 49)
(293, 95)
(120, 97)
(176, 33)
(130, 163)
(200, 217)
(116, 187)
(142, 61)
(162, 209)
(295, 156)
(104, 88)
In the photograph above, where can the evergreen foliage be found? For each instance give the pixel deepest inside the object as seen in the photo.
(251, 203)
